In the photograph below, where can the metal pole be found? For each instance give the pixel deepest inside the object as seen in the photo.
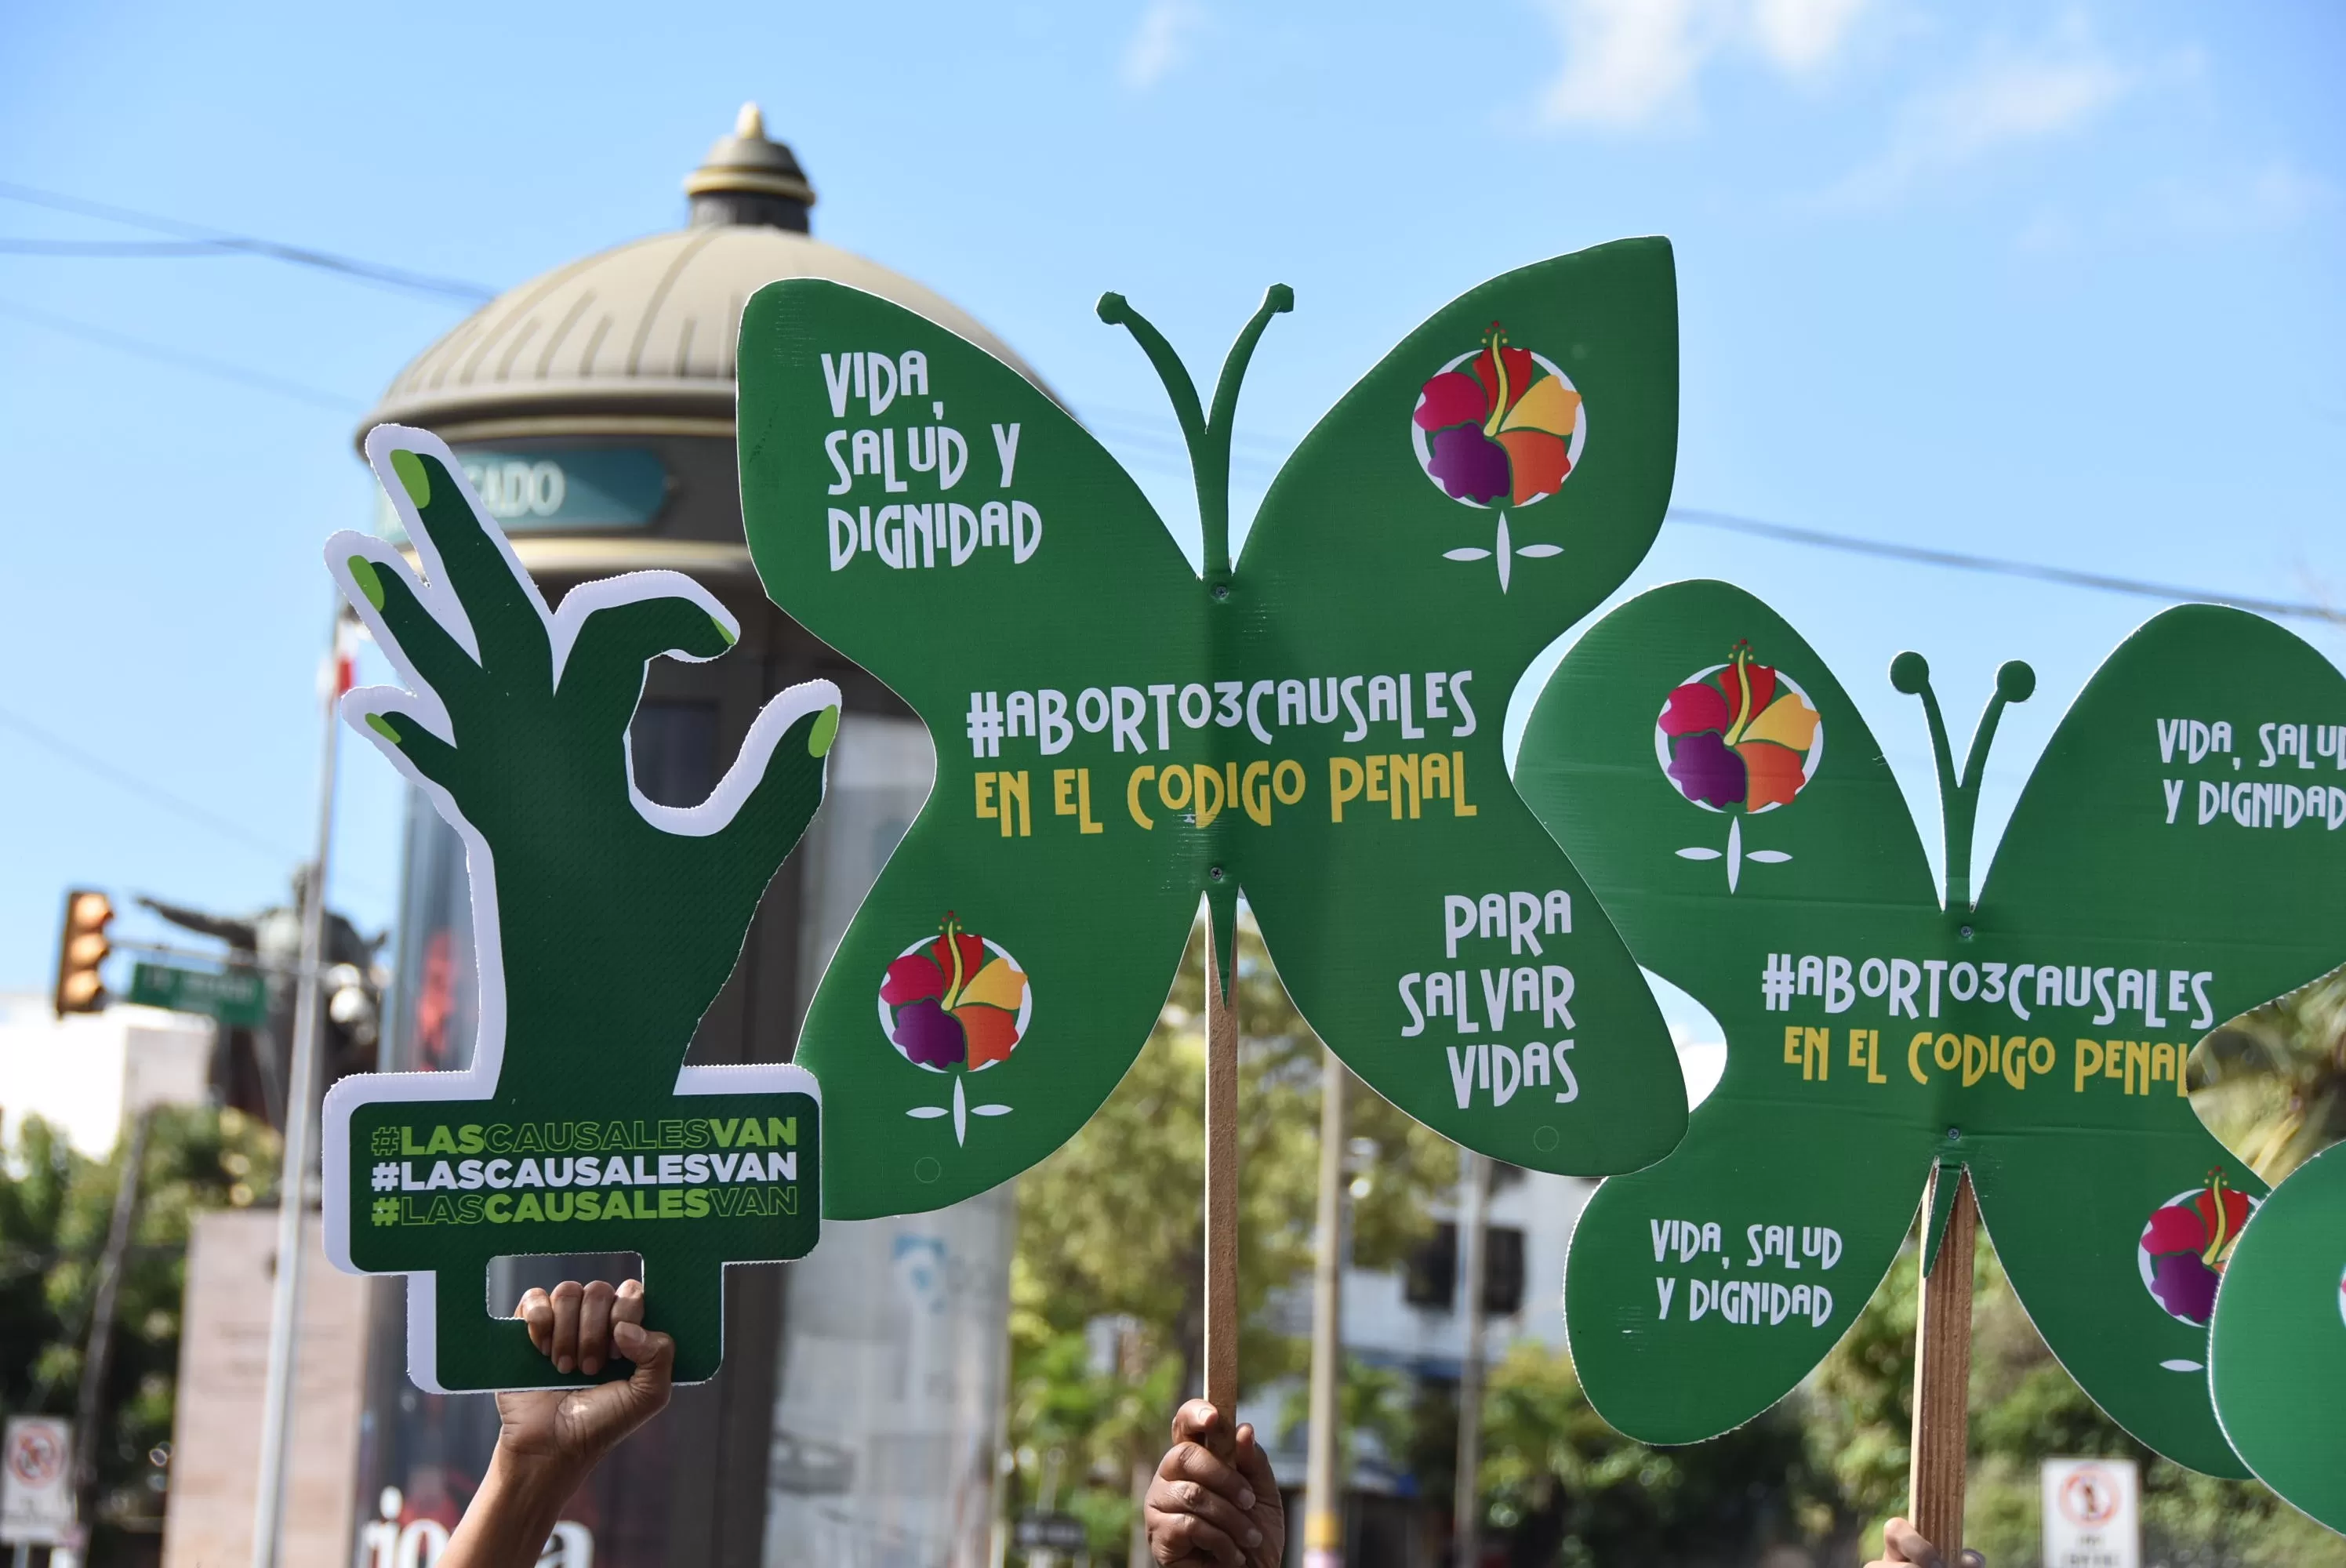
(97, 1355)
(292, 1184)
(1473, 1227)
(1323, 1485)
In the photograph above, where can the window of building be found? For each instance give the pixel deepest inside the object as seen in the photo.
(1431, 1279)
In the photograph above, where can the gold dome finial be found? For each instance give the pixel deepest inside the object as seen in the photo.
(748, 177)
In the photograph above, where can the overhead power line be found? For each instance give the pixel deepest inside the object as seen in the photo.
(226, 243)
(122, 778)
(1956, 560)
(1154, 445)
(201, 363)
(1161, 446)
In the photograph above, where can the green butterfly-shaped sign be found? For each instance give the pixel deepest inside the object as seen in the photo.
(606, 923)
(2277, 1353)
(2178, 855)
(1318, 727)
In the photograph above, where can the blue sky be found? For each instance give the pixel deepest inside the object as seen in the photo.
(2057, 283)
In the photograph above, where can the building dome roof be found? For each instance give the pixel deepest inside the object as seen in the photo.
(640, 338)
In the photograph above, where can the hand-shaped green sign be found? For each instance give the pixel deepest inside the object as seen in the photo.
(2178, 855)
(1319, 726)
(607, 924)
(2277, 1352)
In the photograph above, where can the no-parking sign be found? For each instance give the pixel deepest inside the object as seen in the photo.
(2093, 1514)
(36, 1504)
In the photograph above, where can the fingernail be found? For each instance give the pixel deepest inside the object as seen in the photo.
(411, 478)
(369, 581)
(382, 727)
(562, 1364)
(628, 1337)
(1246, 1497)
(1254, 1537)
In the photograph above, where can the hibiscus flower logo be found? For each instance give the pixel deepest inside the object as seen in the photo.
(1739, 737)
(955, 1002)
(2186, 1243)
(1499, 427)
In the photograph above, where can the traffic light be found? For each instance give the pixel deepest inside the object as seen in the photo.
(81, 949)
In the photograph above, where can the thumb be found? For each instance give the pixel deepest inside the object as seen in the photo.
(777, 777)
(655, 1358)
(616, 639)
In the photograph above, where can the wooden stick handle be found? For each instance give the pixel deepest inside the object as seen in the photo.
(1942, 1370)
(1221, 1189)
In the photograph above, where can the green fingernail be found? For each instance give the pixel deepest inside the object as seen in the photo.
(825, 731)
(724, 631)
(382, 727)
(412, 476)
(369, 581)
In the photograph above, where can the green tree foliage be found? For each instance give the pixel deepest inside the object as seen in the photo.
(1569, 1490)
(1112, 1227)
(55, 1208)
(2276, 1078)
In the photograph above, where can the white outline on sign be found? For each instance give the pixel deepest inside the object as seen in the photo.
(419, 704)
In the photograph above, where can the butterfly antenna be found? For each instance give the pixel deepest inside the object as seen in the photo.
(1208, 439)
(1959, 796)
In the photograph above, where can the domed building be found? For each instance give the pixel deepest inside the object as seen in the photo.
(593, 408)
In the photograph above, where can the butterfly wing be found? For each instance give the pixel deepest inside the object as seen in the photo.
(2277, 1346)
(1481, 488)
(2176, 875)
(1698, 761)
(939, 519)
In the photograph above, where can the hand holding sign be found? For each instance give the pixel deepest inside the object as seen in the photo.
(2178, 856)
(607, 924)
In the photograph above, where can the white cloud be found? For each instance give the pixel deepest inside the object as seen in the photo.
(1162, 43)
(1632, 64)
(1626, 63)
(1802, 34)
(2006, 97)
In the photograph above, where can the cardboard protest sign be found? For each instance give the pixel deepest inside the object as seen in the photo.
(2178, 856)
(2277, 1349)
(607, 924)
(1320, 726)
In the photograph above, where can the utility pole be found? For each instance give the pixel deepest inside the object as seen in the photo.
(300, 1109)
(97, 1355)
(1323, 1484)
(1473, 1227)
